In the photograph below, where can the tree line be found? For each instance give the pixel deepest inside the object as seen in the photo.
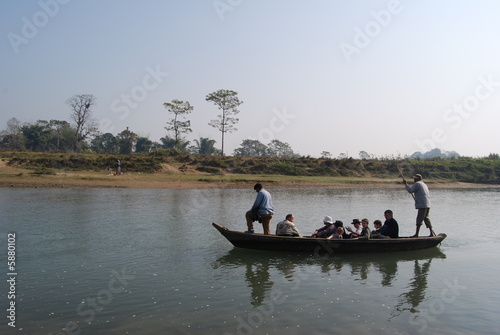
(81, 134)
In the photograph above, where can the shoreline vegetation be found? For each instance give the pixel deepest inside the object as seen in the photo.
(172, 170)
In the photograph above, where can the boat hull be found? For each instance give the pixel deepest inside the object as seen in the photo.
(322, 245)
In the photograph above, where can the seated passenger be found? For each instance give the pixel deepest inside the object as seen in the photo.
(377, 224)
(327, 230)
(357, 228)
(390, 229)
(287, 227)
(339, 232)
(365, 231)
(338, 224)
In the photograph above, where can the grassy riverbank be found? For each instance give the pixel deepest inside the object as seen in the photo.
(164, 170)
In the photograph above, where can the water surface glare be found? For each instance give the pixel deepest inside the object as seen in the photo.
(124, 261)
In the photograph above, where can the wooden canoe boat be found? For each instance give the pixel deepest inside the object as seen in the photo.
(321, 245)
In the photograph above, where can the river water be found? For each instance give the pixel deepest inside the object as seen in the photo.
(124, 261)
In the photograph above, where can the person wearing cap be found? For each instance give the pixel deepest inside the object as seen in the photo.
(327, 229)
(262, 210)
(287, 227)
(421, 195)
(357, 228)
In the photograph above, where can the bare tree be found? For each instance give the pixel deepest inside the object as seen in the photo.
(179, 109)
(81, 114)
(227, 101)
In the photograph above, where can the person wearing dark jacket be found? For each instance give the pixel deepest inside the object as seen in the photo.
(390, 229)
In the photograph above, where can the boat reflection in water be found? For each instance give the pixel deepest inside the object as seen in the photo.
(266, 270)
(417, 287)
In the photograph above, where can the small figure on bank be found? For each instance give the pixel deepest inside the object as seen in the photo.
(327, 229)
(390, 229)
(118, 168)
(421, 195)
(262, 210)
(287, 227)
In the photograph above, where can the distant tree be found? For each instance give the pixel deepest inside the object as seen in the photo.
(180, 109)
(364, 155)
(434, 153)
(493, 156)
(37, 136)
(204, 146)
(105, 144)
(126, 141)
(325, 154)
(144, 144)
(62, 138)
(227, 101)
(169, 143)
(81, 114)
(251, 148)
(12, 138)
(277, 148)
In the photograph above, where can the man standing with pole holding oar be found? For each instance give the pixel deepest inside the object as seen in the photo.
(420, 193)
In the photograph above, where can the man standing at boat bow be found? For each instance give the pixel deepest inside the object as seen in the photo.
(262, 210)
(421, 195)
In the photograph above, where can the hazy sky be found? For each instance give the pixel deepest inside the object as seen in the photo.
(385, 77)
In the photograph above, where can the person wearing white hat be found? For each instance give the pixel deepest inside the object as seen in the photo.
(327, 229)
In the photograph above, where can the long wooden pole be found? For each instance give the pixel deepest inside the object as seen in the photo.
(401, 175)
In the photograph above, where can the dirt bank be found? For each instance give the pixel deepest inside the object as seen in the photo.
(15, 177)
